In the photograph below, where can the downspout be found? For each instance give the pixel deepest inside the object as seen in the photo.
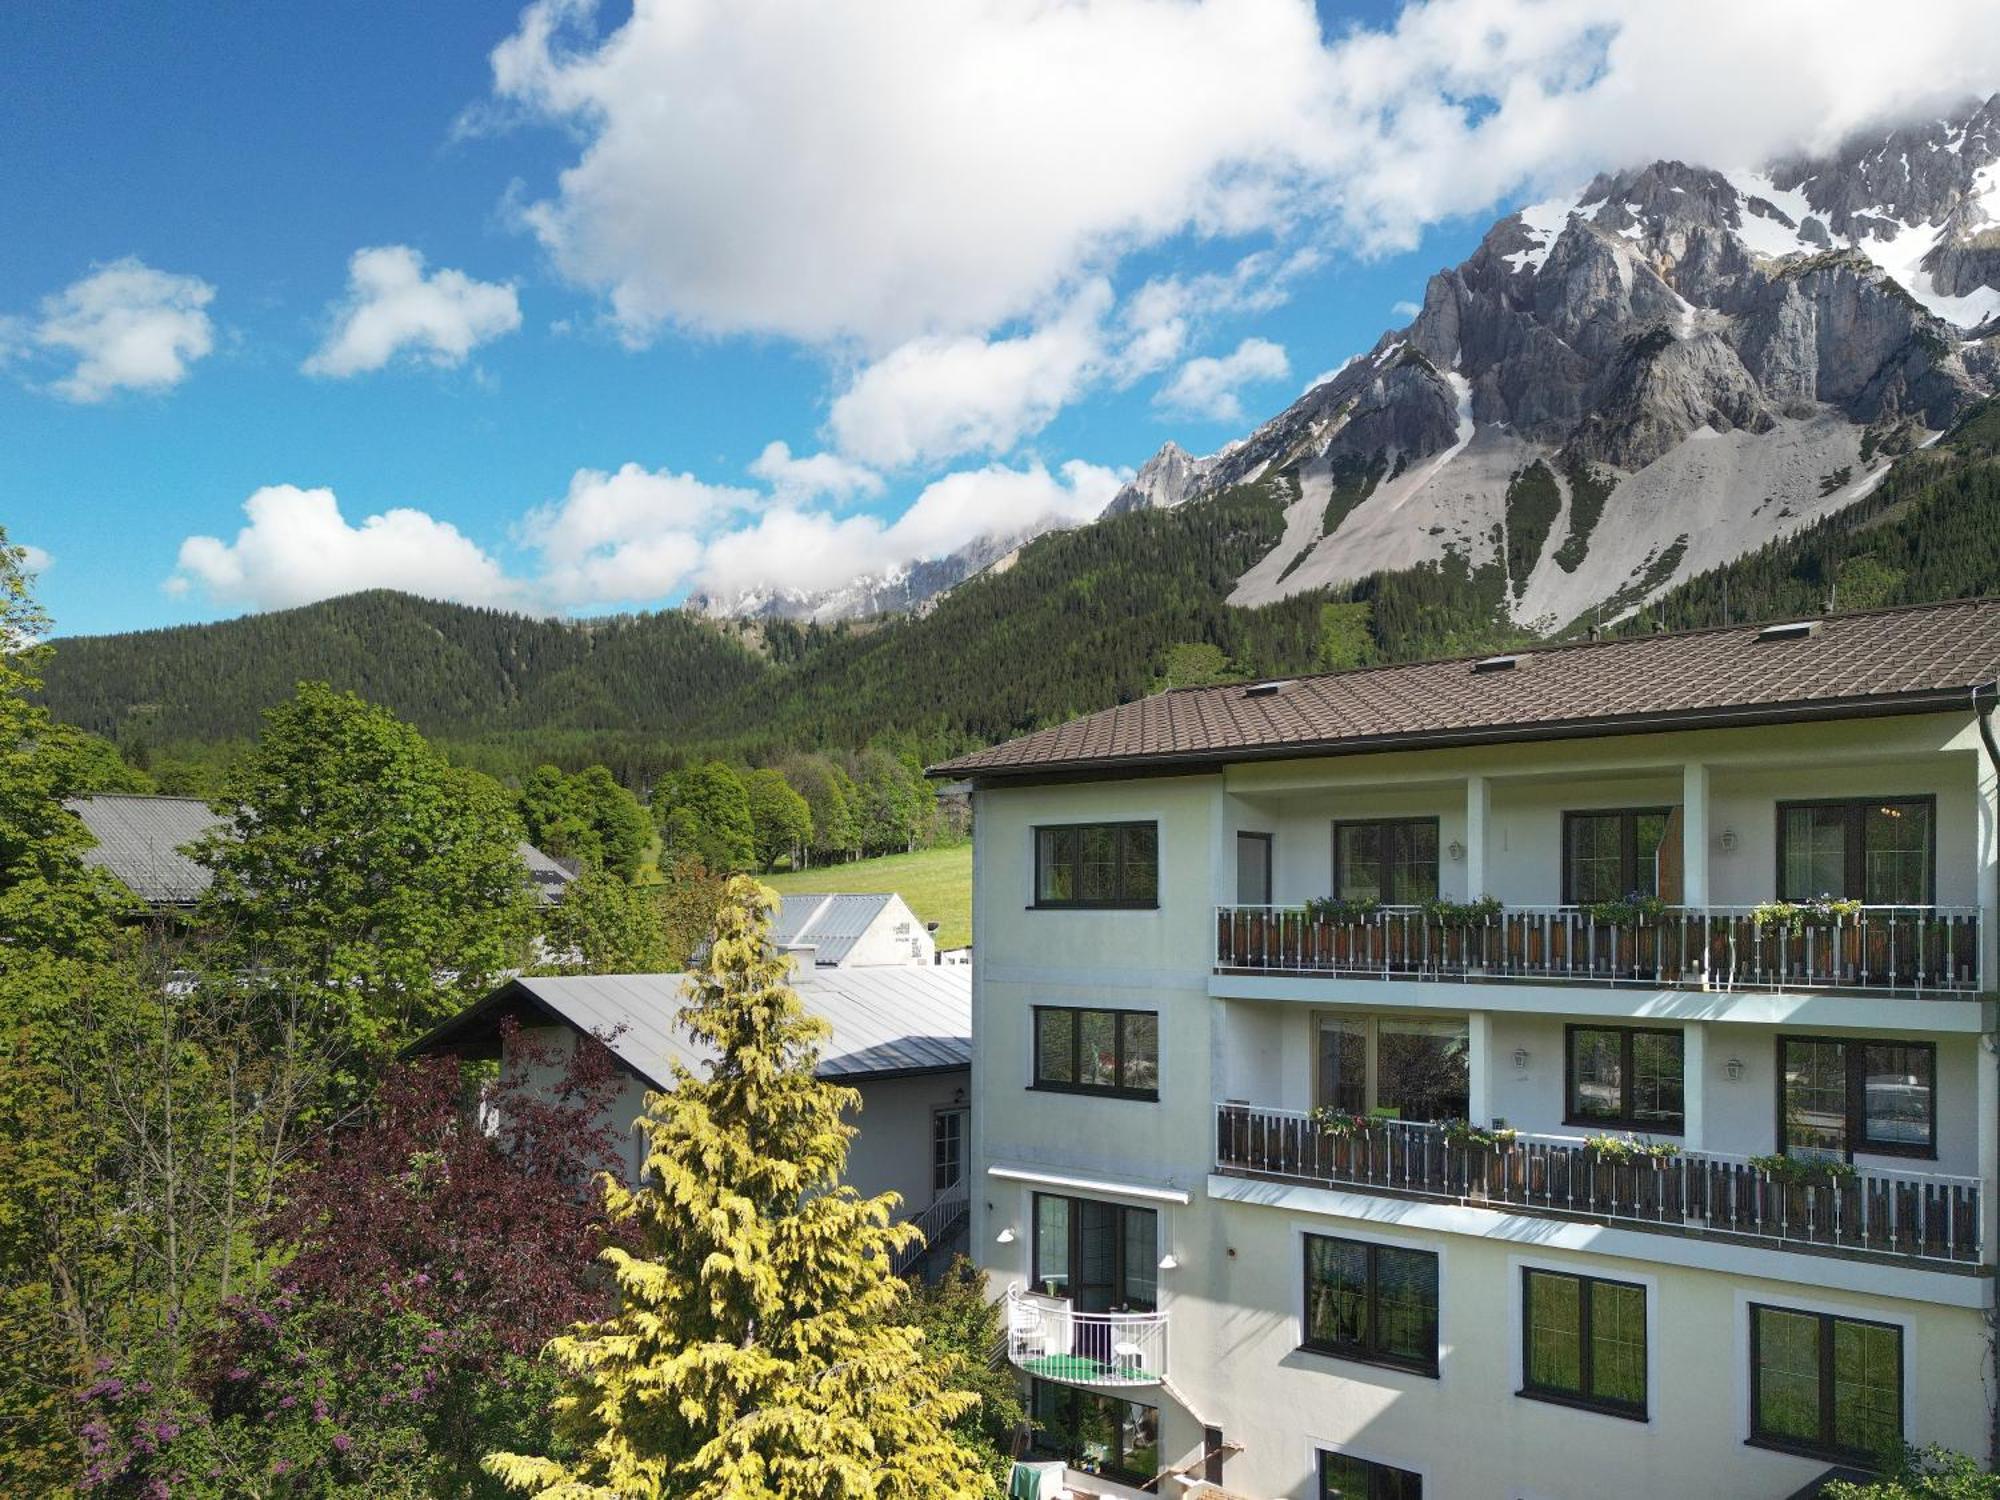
(1990, 1044)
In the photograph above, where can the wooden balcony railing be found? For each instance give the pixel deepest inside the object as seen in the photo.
(1890, 949)
(1917, 1216)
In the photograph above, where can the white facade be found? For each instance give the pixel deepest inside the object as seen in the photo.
(852, 930)
(1242, 1031)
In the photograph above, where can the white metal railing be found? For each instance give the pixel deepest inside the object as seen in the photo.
(1046, 1336)
(1922, 1215)
(935, 1224)
(1891, 949)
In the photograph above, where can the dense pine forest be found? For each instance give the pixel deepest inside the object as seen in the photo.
(1084, 618)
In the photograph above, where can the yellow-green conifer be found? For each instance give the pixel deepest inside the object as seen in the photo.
(756, 1353)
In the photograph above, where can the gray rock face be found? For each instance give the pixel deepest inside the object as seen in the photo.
(1163, 481)
(897, 592)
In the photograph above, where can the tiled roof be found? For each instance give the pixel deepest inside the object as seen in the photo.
(139, 839)
(886, 1021)
(1879, 661)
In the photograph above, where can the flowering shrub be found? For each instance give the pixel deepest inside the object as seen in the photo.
(1634, 910)
(1465, 1133)
(1335, 909)
(1623, 1148)
(1343, 1122)
(1796, 916)
(1462, 913)
(1803, 1169)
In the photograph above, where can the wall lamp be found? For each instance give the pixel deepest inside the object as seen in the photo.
(1729, 841)
(1005, 1236)
(1168, 1262)
(1734, 1068)
(1456, 850)
(1521, 1059)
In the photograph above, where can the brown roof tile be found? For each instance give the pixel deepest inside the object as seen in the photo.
(1877, 661)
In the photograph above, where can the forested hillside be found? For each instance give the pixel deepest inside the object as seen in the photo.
(1081, 619)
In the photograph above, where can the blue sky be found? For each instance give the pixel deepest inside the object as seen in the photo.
(973, 261)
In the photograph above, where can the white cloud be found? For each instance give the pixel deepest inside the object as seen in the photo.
(1208, 387)
(1159, 319)
(636, 534)
(298, 547)
(925, 170)
(1406, 309)
(33, 558)
(934, 397)
(392, 307)
(129, 327)
(793, 549)
(810, 477)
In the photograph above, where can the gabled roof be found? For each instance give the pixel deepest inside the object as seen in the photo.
(887, 1022)
(830, 923)
(1913, 660)
(139, 839)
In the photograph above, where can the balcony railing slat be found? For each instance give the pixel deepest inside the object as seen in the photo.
(1922, 1216)
(1891, 949)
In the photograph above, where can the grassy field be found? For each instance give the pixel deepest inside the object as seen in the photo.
(937, 884)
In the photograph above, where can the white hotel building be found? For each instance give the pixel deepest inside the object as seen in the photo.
(1235, 985)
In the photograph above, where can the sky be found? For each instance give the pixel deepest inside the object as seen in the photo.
(577, 308)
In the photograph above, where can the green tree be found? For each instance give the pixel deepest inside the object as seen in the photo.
(357, 865)
(780, 819)
(555, 820)
(1194, 664)
(606, 925)
(757, 1351)
(620, 824)
(1344, 637)
(687, 899)
(958, 1318)
(894, 802)
(830, 796)
(1924, 1474)
(704, 812)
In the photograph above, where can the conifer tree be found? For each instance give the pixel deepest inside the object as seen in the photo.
(756, 1353)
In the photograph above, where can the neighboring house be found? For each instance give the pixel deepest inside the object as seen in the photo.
(902, 1037)
(1232, 988)
(140, 840)
(851, 931)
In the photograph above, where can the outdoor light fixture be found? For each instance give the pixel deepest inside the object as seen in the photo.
(1005, 1236)
(1521, 1058)
(1168, 1263)
(1734, 1068)
(1456, 850)
(1728, 840)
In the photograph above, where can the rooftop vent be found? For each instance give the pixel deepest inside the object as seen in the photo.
(1791, 630)
(1266, 689)
(1495, 664)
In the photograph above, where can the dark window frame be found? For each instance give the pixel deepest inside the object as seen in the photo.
(1855, 1064)
(1270, 862)
(1624, 1120)
(1377, 1470)
(1628, 844)
(1827, 1448)
(1075, 1395)
(1584, 1401)
(1073, 1249)
(1854, 867)
(938, 1141)
(1113, 904)
(1364, 1354)
(1118, 1090)
(1431, 821)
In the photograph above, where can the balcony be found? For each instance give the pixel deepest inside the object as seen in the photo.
(1925, 1217)
(1047, 1337)
(1902, 950)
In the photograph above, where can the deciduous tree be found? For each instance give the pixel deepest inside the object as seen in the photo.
(704, 812)
(780, 819)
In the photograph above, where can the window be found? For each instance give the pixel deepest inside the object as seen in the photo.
(1377, 1303)
(1394, 862)
(1826, 1386)
(1880, 852)
(1345, 1477)
(1407, 1067)
(1837, 1096)
(1098, 1434)
(1104, 1257)
(947, 1148)
(1627, 1076)
(1098, 1051)
(1583, 1342)
(1098, 864)
(1609, 855)
(1253, 869)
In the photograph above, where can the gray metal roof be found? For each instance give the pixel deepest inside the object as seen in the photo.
(139, 839)
(831, 923)
(886, 1021)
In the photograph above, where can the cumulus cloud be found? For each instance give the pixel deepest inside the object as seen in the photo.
(1406, 309)
(33, 558)
(789, 549)
(1162, 316)
(1210, 386)
(630, 535)
(392, 308)
(814, 475)
(934, 397)
(127, 325)
(297, 547)
(924, 170)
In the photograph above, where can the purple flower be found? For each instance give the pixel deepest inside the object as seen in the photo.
(238, 1373)
(282, 1466)
(342, 1442)
(319, 1410)
(288, 1403)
